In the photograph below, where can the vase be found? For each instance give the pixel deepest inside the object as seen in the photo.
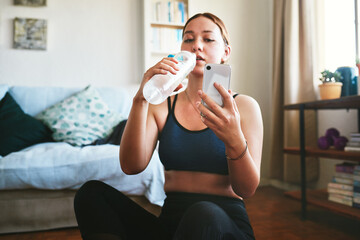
(349, 80)
(330, 90)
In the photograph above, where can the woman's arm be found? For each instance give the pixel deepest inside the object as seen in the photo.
(139, 138)
(245, 172)
(238, 122)
(141, 131)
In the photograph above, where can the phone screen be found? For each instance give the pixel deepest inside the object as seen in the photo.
(219, 73)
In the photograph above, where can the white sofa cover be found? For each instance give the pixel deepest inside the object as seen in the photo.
(58, 166)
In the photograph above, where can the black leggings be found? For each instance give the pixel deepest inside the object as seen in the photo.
(101, 209)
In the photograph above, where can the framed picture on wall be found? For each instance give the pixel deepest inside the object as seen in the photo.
(30, 3)
(30, 33)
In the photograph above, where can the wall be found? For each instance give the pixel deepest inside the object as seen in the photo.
(89, 42)
(100, 43)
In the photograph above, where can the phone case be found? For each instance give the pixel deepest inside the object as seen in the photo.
(220, 73)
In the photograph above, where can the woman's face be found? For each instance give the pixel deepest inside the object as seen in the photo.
(203, 37)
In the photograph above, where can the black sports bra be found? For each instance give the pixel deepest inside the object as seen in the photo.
(185, 150)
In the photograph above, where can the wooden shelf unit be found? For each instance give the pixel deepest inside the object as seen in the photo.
(319, 198)
(315, 196)
(349, 102)
(329, 153)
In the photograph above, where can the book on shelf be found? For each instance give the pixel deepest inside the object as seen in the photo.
(357, 170)
(170, 12)
(344, 187)
(338, 198)
(348, 181)
(356, 205)
(340, 186)
(354, 139)
(344, 175)
(356, 200)
(345, 167)
(356, 177)
(340, 191)
(353, 144)
(355, 134)
(167, 40)
(351, 149)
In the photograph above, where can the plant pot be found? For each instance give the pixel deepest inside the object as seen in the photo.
(330, 90)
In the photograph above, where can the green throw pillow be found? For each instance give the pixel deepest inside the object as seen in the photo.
(17, 129)
(81, 118)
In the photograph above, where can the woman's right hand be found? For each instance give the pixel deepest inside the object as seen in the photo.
(141, 131)
(165, 65)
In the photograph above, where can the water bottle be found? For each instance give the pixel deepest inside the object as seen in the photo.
(161, 86)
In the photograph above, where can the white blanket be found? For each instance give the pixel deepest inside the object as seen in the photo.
(62, 166)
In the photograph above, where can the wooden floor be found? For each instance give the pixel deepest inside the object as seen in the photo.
(273, 216)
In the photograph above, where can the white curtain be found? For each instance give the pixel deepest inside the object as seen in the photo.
(293, 74)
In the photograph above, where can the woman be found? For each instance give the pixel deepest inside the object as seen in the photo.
(211, 156)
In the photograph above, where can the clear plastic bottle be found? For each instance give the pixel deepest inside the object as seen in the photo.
(161, 86)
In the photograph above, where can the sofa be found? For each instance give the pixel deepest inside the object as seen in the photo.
(44, 162)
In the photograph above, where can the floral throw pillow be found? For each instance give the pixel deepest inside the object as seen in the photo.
(81, 118)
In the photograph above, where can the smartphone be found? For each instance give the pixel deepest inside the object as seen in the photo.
(220, 73)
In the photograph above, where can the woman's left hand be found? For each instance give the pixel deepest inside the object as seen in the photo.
(232, 128)
(224, 121)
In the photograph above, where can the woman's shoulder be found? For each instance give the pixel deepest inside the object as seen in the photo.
(249, 111)
(248, 107)
(243, 99)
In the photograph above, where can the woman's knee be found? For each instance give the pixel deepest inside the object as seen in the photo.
(203, 220)
(203, 215)
(87, 192)
(204, 211)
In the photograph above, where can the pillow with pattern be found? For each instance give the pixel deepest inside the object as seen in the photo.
(81, 118)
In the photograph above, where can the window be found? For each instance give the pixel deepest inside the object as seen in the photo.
(356, 5)
(337, 43)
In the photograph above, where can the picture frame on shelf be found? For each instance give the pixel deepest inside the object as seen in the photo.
(30, 33)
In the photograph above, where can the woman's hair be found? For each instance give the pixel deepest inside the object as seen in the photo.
(215, 20)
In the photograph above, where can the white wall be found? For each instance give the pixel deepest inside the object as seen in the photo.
(100, 43)
(89, 42)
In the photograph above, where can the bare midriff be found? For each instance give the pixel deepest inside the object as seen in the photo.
(198, 182)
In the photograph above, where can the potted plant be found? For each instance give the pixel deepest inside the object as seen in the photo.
(331, 85)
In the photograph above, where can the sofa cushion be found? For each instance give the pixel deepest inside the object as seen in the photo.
(3, 89)
(58, 165)
(35, 99)
(19, 130)
(81, 118)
